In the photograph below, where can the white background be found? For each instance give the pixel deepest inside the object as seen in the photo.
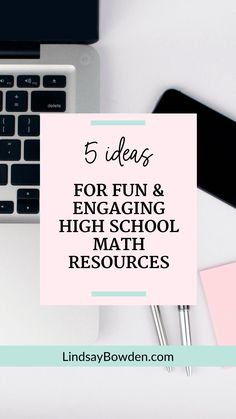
(146, 47)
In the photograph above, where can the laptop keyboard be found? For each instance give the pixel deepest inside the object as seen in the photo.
(22, 98)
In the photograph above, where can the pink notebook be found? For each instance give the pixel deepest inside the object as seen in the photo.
(219, 285)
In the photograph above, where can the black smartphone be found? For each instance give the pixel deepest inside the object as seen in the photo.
(216, 144)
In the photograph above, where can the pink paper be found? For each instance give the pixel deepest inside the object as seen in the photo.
(220, 289)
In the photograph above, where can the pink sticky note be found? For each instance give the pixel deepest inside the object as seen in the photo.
(220, 289)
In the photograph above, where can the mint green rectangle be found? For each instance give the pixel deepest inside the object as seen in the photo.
(113, 122)
(123, 356)
(118, 293)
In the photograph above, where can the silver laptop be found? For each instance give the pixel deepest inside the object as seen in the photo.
(42, 69)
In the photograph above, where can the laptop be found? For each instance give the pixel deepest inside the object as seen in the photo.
(46, 65)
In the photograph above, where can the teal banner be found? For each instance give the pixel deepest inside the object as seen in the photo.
(117, 356)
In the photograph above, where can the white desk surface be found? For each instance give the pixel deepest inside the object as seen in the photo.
(146, 47)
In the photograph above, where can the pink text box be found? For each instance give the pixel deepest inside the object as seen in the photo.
(172, 141)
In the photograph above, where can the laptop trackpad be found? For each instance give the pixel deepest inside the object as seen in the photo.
(22, 320)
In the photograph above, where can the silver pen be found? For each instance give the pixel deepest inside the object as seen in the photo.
(185, 330)
(161, 332)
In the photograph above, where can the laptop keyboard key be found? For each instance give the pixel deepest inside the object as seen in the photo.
(30, 206)
(6, 81)
(28, 201)
(6, 207)
(10, 150)
(54, 81)
(32, 150)
(48, 101)
(25, 174)
(28, 126)
(28, 81)
(16, 101)
(7, 125)
(28, 194)
(3, 174)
